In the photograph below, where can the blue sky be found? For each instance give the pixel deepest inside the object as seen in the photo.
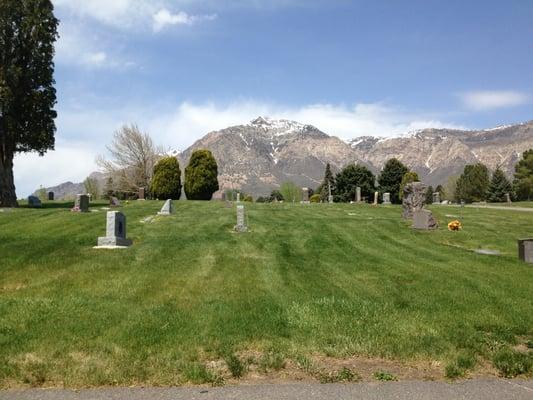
(181, 68)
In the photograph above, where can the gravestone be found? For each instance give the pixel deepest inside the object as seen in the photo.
(462, 203)
(142, 194)
(436, 198)
(508, 198)
(238, 197)
(424, 220)
(241, 221)
(330, 199)
(358, 194)
(376, 198)
(414, 197)
(82, 203)
(386, 198)
(115, 231)
(168, 208)
(51, 196)
(525, 250)
(114, 202)
(305, 195)
(223, 196)
(34, 202)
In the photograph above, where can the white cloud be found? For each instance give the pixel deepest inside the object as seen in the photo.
(164, 18)
(84, 131)
(483, 100)
(132, 14)
(71, 162)
(82, 47)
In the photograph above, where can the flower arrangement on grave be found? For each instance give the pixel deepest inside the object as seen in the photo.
(75, 209)
(455, 226)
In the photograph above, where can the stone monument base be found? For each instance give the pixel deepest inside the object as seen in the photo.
(113, 242)
(424, 220)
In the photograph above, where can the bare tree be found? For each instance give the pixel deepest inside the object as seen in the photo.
(133, 156)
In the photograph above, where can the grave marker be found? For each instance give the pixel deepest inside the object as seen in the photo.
(525, 250)
(436, 198)
(115, 231)
(386, 198)
(51, 196)
(305, 195)
(241, 220)
(357, 194)
(424, 220)
(34, 202)
(168, 208)
(81, 204)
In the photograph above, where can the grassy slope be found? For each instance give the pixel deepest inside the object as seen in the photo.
(337, 280)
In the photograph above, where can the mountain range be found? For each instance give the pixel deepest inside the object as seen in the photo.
(257, 157)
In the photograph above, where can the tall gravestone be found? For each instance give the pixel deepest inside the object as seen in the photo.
(82, 203)
(386, 198)
(436, 198)
(238, 197)
(241, 220)
(424, 220)
(414, 197)
(305, 195)
(51, 196)
(508, 198)
(525, 250)
(34, 202)
(358, 194)
(168, 208)
(142, 193)
(376, 198)
(115, 231)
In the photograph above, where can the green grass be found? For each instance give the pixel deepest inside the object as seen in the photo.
(336, 280)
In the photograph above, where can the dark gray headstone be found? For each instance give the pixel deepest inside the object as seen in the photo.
(115, 231)
(525, 250)
(51, 196)
(142, 193)
(82, 203)
(34, 202)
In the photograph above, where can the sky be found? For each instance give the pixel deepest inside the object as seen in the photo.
(182, 68)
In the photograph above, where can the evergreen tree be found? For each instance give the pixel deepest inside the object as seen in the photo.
(429, 195)
(409, 177)
(201, 176)
(275, 196)
(329, 181)
(440, 189)
(523, 177)
(349, 179)
(391, 177)
(28, 30)
(473, 183)
(166, 181)
(499, 186)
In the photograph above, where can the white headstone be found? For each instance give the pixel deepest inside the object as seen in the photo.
(358, 194)
(436, 198)
(241, 220)
(305, 195)
(376, 196)
(386, 198)
(238, 197)
(168, 208)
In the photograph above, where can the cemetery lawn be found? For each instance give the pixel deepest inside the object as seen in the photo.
(327, 292)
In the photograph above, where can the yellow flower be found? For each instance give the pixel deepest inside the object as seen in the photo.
(455, 225)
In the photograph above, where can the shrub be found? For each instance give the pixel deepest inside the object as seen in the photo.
(261, 199)
(271, 360)
(512, 363)
(276, 196)
(499, 187)
(201, 176)
(248, 198)
(315, 198)
(473, 183)
(453, 371)
(166, 183)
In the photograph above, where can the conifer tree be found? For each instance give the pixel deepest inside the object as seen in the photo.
(327, 183)
(523, 177)
(201, 176)
(391, 177)
(499, 186)
(28, 31)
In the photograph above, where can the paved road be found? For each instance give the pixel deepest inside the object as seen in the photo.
(496, 389)
(526, 209)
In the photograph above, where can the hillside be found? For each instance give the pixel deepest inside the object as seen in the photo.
(309, 289)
